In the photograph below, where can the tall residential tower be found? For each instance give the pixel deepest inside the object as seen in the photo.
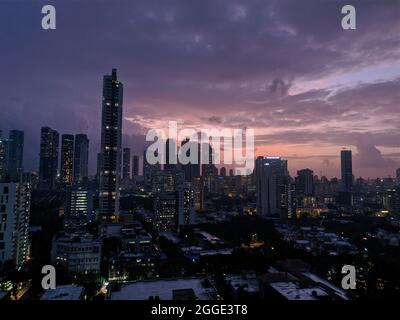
(111, 131)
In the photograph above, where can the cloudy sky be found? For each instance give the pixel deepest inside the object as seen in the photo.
(285, 68)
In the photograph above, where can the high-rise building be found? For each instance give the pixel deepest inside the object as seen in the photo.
(67, 158)
(174, 203)
(135, 166)
(15, 155)
(165, 211)
(14, 223)
(78, 206)
(48, 166)
(347, 170)
(3, 159)
(111, 131)
(345, 195)
(81, 158)
(186, 207)
(126, 164)
(305, 183)
(271, 176)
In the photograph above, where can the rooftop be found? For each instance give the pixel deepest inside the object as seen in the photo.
(292, 291)
(143, 290)
(67, 292)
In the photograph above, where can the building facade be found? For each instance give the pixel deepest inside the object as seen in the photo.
(15, 200)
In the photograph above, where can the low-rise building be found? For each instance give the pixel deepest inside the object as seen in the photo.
(77, 252)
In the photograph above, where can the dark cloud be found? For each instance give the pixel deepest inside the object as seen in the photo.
(219, 62)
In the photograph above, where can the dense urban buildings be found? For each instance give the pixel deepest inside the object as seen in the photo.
(179, 207)
(111, 131)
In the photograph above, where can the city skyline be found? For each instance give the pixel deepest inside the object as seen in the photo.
(223, 69)
(221, 154)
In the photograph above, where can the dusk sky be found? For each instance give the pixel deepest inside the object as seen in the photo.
(285, 68)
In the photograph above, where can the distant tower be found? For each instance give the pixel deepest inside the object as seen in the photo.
(81, 158)
(347, 177)
(15, 155)
(126, 164)
(347, 170)
(67, 158)
(48, 166)
(111, 131)
(135, 166)
(271, 176)
(305, 183)
(149, 170)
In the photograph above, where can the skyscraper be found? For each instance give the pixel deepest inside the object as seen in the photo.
(67, 158)
(14, 209)
(111, 130)
(347, 170)
(81, 157)
(48, 166)
(15, 155)
(126, 164)
(271, 177)
(135, 166)
(347, 177)
(398, 176)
